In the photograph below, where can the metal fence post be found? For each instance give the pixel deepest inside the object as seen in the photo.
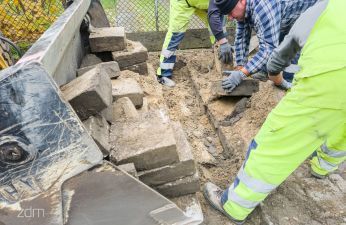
(157, 15)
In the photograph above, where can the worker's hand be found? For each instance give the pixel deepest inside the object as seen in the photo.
(233, 80)
(225, 53)
(285, 85)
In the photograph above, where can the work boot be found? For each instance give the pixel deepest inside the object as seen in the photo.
(165, 81)
(212, 194)
(316, 175)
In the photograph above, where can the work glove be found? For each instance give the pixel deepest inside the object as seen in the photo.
(225, 53)
(285, 85)
(233, 80)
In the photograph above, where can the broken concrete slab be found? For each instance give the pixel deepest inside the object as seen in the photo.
(128, 87)
(124, 110)
(182, 186)
(129, 168)
(147, 142)
(141, 68)
(185, 166)
(107, 39)
(111, 68)
(246, 88)
(90, 93)
(135, 53)
(90, 60)
(98, 128)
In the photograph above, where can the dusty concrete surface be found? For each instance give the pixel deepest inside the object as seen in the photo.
(300, 200)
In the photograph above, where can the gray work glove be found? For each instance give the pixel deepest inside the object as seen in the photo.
(285, 85)
(233, 80)
(225, 53)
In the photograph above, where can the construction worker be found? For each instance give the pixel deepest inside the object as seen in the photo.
(181, 12)
(310, 118)
(271, 20)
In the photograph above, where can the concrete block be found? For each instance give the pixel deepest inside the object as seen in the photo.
(111, 68)
(183, 186)
(98, 128)
(107, 113)
(147, 142)
(90, 60)
(185, 166)
(107, 39)
(141, 68)
(129, 168)
(135, 53)
(89, 94)
(191, 206)
(246, 88)
(128, 87)
(123, 110)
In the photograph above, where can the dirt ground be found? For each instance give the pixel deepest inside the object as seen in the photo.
(285, 205)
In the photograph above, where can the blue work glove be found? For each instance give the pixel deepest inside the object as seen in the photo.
(225, 53)
(285, 85)
(233, 80)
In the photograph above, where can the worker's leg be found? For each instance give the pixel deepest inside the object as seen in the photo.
(289, 135)
(179, 18)
(203, 15)
(330, 154)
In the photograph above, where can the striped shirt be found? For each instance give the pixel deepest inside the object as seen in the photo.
(271, 20)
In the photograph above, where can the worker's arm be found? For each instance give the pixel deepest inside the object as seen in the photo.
(242, 42)
(267, 19)
(215, 20)
(294, 41)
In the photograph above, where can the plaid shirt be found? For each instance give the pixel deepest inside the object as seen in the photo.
(271, 20)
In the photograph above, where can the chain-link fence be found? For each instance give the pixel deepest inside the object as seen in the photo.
(142, 15)
(26, 20)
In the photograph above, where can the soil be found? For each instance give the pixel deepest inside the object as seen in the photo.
(188, 105)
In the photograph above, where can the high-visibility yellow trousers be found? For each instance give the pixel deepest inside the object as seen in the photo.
(297, 127)
(180, 15)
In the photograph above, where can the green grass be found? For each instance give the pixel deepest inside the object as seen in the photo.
(109, 4)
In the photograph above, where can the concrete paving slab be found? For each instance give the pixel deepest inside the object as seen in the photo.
(128, 87)
(90, 93)
(185, 166)
(246, 88)
(111, 68)
(98, 128)
(134, 53)
(147, 142)
(107, 39)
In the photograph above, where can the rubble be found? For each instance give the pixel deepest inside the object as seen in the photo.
(98, 128)
(90, 93)
(107, 39)
(111, 68)
(184, 167)
(135, 53)
(128, 87)
(123, 110)
(183, 186)
(90, 60)
(147, 142)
